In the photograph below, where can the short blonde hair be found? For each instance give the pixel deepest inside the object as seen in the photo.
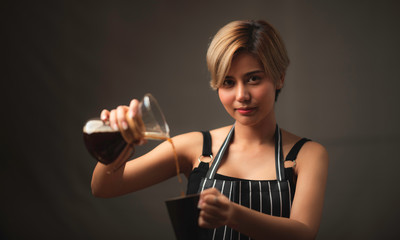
(256, 37)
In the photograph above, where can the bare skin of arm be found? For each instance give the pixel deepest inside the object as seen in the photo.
(312, 165)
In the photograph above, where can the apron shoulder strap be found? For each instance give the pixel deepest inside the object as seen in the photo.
(217, 159)
(207, 144)
(292, 155)
(279, 163)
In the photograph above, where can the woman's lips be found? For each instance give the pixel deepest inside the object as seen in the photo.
(246, 110)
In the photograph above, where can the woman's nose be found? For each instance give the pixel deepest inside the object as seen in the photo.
(242, 93)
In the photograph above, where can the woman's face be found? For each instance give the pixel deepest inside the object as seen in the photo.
(247, 93)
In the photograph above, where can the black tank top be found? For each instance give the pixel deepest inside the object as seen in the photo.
(273, 197)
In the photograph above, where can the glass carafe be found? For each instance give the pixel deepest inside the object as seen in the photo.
(105, 144)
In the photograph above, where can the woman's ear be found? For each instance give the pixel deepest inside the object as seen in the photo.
(280, 82)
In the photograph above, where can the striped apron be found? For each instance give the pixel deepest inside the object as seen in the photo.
(273, 197)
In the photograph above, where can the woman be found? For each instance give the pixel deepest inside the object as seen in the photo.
(263, 182)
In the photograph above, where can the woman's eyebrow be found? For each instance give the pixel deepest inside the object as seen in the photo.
(254, 72)
(248, 74)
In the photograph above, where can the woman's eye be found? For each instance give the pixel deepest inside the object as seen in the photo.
(254, 79)
(228, 83)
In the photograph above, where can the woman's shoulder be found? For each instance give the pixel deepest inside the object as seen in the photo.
(195, 137)
(311, 149)
(188, 140)
(312, 156)
(193, 141)
(291, 138)
(189, 145)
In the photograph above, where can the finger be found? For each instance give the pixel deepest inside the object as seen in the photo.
(210, 218)
(204, 223)
(133, 108)
(209, 221)
(211, 196)
(123, 124)
(203, 194)
(208, 191)
(104, 115)
(121, 117)
(135, 122)
(113, 120)
(216, 200)
(216, 209)
(212, 199)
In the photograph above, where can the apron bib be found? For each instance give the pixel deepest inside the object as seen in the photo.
(273, 197)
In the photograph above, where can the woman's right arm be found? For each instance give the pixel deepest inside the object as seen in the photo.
(144, 171)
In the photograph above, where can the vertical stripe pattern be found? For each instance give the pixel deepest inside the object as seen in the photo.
(270, 197)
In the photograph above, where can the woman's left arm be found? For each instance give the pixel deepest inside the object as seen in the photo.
(305, 217)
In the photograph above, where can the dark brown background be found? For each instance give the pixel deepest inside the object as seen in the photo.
(66, 60)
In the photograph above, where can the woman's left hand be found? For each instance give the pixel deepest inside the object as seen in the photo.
(216, 209)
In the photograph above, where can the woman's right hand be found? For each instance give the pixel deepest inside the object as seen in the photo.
(123, 176)
(122, 118)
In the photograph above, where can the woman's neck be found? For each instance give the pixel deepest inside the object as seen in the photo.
(262, 133)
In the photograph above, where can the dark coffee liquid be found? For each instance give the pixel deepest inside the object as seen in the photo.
(104, 146)
(107, 146)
